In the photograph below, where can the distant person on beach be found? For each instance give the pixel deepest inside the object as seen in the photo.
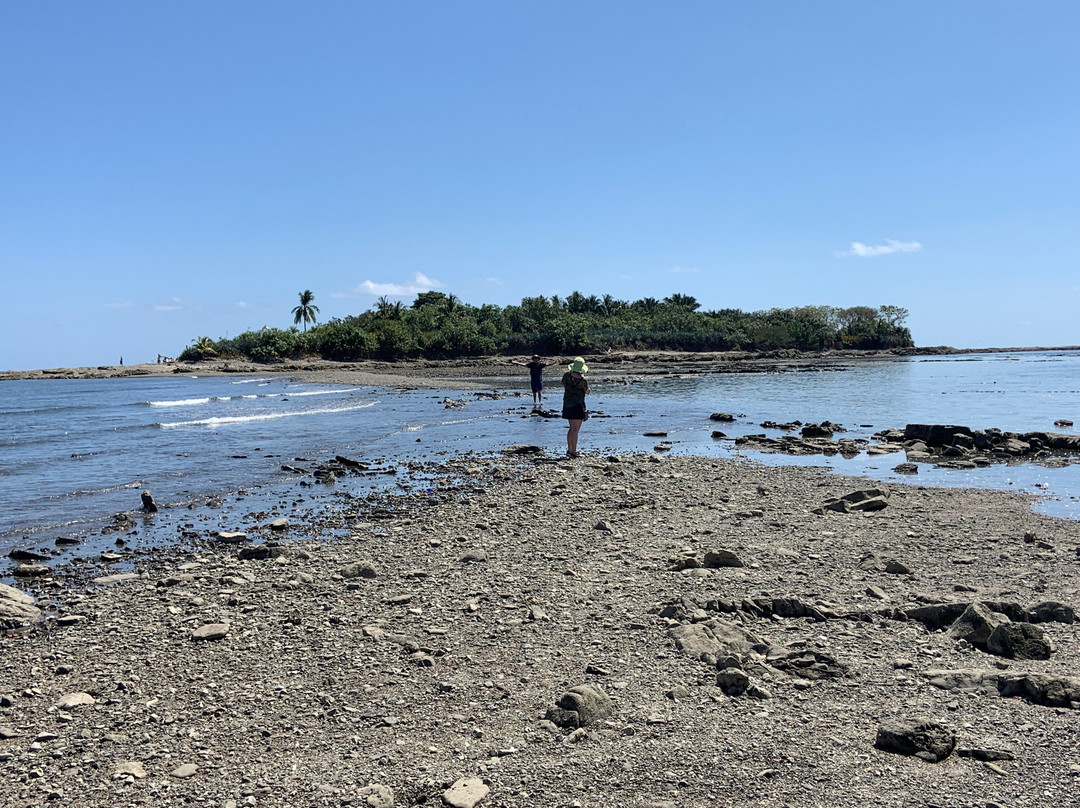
(536, 377)
(575, 386)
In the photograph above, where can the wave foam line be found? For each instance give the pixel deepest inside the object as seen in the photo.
(251, 381)
(291, 394)
(182, 402)
(269, 416)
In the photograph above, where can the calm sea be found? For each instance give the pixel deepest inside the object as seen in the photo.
(74, 452)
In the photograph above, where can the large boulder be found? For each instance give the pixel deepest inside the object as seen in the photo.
(976, 625)
(17, 608)
(1019, 641)
(936, 434)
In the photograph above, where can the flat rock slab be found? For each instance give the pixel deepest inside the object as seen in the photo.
(120, 577)
(211, 631)
(73, 700)
(466, 793)
(184, 771)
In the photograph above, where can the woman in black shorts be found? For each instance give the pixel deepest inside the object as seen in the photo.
(575, 386)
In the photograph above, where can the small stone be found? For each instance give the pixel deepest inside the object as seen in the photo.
(184, 771)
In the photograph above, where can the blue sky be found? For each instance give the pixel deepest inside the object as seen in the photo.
(172, 170)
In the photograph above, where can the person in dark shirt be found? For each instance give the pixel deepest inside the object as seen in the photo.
(575, 386)
(536, 377)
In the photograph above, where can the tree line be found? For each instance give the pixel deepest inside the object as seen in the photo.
(438, 325)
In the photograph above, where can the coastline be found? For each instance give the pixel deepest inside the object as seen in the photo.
(464, 373)
(427, 645)
(434, 373)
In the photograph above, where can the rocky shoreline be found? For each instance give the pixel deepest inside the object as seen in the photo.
(626, 630)
(464, 373)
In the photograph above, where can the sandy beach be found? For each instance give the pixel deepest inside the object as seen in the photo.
(742, 646)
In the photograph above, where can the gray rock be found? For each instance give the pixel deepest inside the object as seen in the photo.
(30, 571)
(184, 771)
(976, 625)
(1050, 611)
(130, 768)
(923, 738)
(716, 637)
(714, 559)
(727, 417)
(466, 793)
(894, 567)
(376, 796)
(211, 631)
(580, 706)
(936, 615)
(1042, 689)
(806, 663)
(867, 499)
(73, 700)
(261, 552)
(359, 569)
(1019, 641)
(733, 681)
(17, 609)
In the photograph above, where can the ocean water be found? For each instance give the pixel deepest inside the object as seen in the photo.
(75, 452)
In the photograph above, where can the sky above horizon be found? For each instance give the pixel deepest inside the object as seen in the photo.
(178, 170)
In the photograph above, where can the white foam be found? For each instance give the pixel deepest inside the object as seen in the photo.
(291, 394)
(269, 416)
(182, 402)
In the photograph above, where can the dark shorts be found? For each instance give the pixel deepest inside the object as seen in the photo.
(575, 413)
(537, 387)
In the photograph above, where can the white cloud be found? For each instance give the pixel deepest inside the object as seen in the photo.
(127, 304)
(496, 281)
(684, 270)
(167, 307)
(860, 250)
(421, 283)
(242, 305)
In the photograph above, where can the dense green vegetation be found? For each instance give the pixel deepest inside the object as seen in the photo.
(438, 325)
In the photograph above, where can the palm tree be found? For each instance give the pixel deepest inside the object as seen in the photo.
(305, 311)
(204, 347)
(686, 301)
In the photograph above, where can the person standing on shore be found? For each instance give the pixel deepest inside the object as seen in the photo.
(575, 387)
(536, 377)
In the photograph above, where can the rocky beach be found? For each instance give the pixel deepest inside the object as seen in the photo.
(627, 630)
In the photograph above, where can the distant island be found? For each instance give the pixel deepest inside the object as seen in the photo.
(440, 326)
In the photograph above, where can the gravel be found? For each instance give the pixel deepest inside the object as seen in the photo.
(416, 659)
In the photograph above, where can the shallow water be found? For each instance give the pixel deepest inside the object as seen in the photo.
(76, 451)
